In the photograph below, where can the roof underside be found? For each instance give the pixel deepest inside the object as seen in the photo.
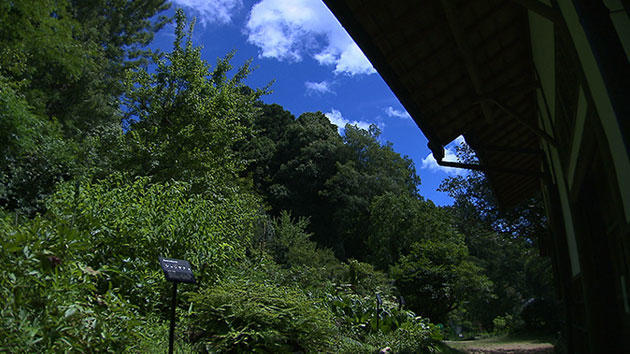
(460, 67)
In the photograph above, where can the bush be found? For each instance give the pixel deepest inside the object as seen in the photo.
(85, 276)
(540, 314)
(417, 336)
(51, 301)
(507, 324)
(364, 279)
(290, 244)
(241, 314)
(33, 154)
(414, 336)
(400, 329)
(127, 225)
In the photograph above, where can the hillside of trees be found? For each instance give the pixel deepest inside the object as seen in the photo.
(112, 155)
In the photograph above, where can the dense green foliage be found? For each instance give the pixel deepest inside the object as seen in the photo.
(505, 243)
(62, 69)
(304, 166)
(245, 315)
(34, 154)
(50, 296)
(112, 156)
(185, 119)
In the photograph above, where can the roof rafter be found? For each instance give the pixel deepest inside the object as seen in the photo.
(538, 7)
(483, 168)
(511, 112)
(502, 92)
(467, 54)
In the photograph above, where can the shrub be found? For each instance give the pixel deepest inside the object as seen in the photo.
(290, 244)
(127, 225)
(84, 276)
(540, 314)
(356, 315)
(364, 279)
(241, 314)
(507, 324)
(33, 154)
(414, 336)
(51, 301)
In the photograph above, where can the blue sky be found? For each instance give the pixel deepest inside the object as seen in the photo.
(315, 66)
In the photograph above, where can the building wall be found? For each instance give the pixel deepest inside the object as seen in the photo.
(588, 189)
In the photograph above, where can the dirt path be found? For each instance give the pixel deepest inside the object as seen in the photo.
(502, 345)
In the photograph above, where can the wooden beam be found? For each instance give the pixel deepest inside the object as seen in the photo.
(511, 149)
(466, 53)
(436, 76)
(482, 168)
(403, 50)
(541, 9)
(512, 90)
(539, 132)
(503, 92)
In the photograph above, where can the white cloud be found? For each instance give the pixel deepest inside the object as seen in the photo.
(290, 29)
(211, 11)
(429, 162)
(352, 61)
(335, 117)
(318, 87)
(391, 112)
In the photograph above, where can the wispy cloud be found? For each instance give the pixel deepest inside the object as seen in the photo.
(429, 162)
(391, 112)
(337, 119)
(318, 87)
(291, 29)
(211, 11)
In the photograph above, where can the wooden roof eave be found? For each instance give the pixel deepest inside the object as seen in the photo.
(450, 108)
(355, 30)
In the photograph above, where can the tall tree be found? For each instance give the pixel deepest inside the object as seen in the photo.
(186, 119)
(436, 276)
(426, 255)
(366, 169)
(504, 241)
(474, 198)
(305, 166)
(62, 64)
(70, 57)
(292, 160)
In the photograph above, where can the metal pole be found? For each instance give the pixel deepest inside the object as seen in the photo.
(171, 337)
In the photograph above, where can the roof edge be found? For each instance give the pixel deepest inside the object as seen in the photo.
(376, 58)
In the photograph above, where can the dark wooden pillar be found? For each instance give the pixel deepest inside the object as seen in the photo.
(597, 252)
(611, 58)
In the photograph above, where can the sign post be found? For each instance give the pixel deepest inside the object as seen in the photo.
(171, 332)
(175, 271)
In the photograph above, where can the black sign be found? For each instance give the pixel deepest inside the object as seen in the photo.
(177, 270)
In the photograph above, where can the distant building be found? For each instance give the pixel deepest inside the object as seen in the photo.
(540, 89)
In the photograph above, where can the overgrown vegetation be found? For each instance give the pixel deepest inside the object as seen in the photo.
(119, 155)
